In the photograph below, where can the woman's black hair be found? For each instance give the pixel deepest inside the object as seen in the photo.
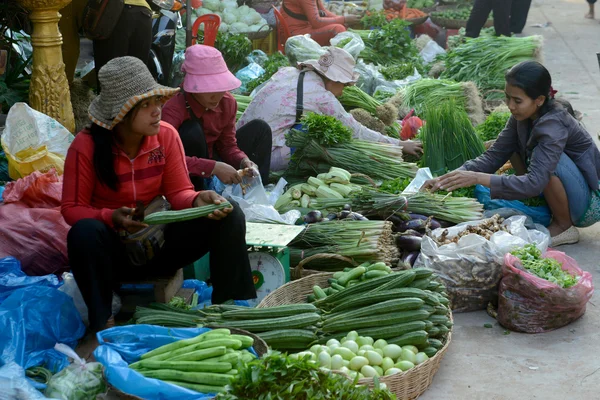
(103, 156)
(534, 79)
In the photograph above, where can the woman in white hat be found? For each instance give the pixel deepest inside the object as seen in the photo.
(315, 85)
(204, 113)
(125, 160)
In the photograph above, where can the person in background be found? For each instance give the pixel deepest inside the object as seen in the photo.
(481, 12)
(310, 16)
(69, 25)
(518, 15)
(323, 81)
(549, 149)
(591, 14)
(128, 156)
(132, 35)
(205, 114)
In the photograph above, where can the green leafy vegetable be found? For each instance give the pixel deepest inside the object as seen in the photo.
(395, 186)
(493, 125)
(545, 268)
(388, 44)
(234, 47)
(325, 129)
(399, 71)
(272, 65)
(179, 302)
(277, 376)
(374, 19)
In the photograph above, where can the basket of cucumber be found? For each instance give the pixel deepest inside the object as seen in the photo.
(454, 17)
(406, 308)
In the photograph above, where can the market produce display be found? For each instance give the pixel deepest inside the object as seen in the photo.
(278, 376)
(493, 125)
(420, 3)
(77, 382)
(234, 19)
(205, 363)
(355, 98)
(485, 229)
(449, 139)
(486, 59)
(242, 104)
(460, 13)
(271, 66)
(166, 217)
(546, 268)
(388, 44)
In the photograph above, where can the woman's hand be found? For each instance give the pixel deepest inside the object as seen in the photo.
(122, 218)
(249, 168)
(226, 173)
(455, 180)
(351, 19)
(207, 197)
(413, 147)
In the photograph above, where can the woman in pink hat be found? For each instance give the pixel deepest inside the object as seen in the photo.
(204, 113)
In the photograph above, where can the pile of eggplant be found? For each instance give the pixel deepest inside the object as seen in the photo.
(409, 235)
(315, 216)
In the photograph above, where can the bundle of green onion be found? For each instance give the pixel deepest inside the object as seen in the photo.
(449, 139)
(486, 59)
(242, 104)
(360, 240)
(354, 97)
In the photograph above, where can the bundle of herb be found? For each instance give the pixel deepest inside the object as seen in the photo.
(545, 268)
(282, 377)
(485, 60)
(392, 41)
(271, 66)
(354, 97)
(493, 125)
(234, 47)
(400, 71)
(325, 129)
(374, 19)
(449, 139)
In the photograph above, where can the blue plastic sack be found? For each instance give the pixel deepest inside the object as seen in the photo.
(124, 345)
(205, 293)
(13, 278)
(33, 320)
(540, 215)
(247, 74)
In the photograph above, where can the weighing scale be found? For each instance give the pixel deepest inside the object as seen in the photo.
(268, 254)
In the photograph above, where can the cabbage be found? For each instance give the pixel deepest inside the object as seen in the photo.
(256, 28)
(243, 10)
(255, 17)
(247, 19)
(224, 27)
(238, 27)
(230, 4)
(213, 5)
(229, 17)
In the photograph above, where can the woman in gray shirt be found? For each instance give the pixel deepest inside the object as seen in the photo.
(550, 151)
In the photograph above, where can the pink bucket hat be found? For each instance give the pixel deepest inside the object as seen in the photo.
(206, 71)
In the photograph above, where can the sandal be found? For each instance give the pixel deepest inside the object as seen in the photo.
(570, 236)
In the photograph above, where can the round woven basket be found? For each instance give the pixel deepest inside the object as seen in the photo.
(417, 21)
(406, 386)
(453, 23)
(299, 271)
(261, 34)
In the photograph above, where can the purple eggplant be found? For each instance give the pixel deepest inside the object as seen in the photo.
(445, 224)
(408, 242)
(410, 232)
(412, 257)
(347, 207)
(331, 216)
(417, 216)
(434, 224)
(357, 217)
(313, 217)
(344, 214)
(414, 224)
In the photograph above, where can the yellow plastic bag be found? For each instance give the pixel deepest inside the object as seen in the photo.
(33, 141)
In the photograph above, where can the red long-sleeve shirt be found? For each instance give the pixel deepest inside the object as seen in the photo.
(158, 169)
(219, 131)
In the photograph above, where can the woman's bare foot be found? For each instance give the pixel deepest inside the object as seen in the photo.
(589, 15)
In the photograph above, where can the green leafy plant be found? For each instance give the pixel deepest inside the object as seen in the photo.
(325, 129)
(388, 44)
(399, 71)
(545, 268)
(235, 48)
(493, 125)
(271, 66)
(374, 19)
(282, 377)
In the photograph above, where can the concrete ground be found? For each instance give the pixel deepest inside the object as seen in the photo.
(486, 364)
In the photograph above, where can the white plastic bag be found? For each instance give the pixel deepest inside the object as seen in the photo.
(79, 381)
(14, 384)
(33, 141)
(70, 288)
(472, 268)
(431, 51)
(354, 47)
(422, 176)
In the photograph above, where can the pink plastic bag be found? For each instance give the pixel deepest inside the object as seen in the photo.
(531, 304)
(32, 228)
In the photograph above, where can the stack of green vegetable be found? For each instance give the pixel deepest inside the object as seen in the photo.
(282, 377)
(206, 363)
(449, 139)
(242, 104)
(420, 3)
(486, 59)
(333, 184)
(545, 268)
(493, 125)
(327, 142)
(426, 94)
(380, 117)
(404, 308)
(389, 44)
(359, 240)
(459, 13)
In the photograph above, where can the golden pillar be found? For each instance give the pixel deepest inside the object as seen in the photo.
(49, 89)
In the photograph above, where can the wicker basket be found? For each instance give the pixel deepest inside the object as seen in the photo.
(261, 34)
(406, 386)
(417, 21)
(299, 271)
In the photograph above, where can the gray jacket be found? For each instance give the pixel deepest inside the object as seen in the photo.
(540, 148)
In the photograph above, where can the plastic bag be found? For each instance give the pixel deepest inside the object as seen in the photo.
(33, 141)
(176, 74)
(256, 204)
(34, 319)
(431, 51)
(472, 268)
(33, 229)
(369, 77)
(70, 288)
(124, 345)
(354, 45)
(531, 304)
(257, 56)
(247, 74)
(302, 48)
(13, 278)
(14, 384)
(79, 381)
(540, 215)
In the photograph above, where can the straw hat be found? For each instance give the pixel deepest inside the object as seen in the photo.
(336, 65)
(125, 81)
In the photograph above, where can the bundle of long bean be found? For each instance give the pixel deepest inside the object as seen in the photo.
(359, 240)
(377, 160)
(449, 139)
(486, 59)
(369, 201)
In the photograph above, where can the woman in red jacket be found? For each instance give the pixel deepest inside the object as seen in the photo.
(126, 157)
(310, 16)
